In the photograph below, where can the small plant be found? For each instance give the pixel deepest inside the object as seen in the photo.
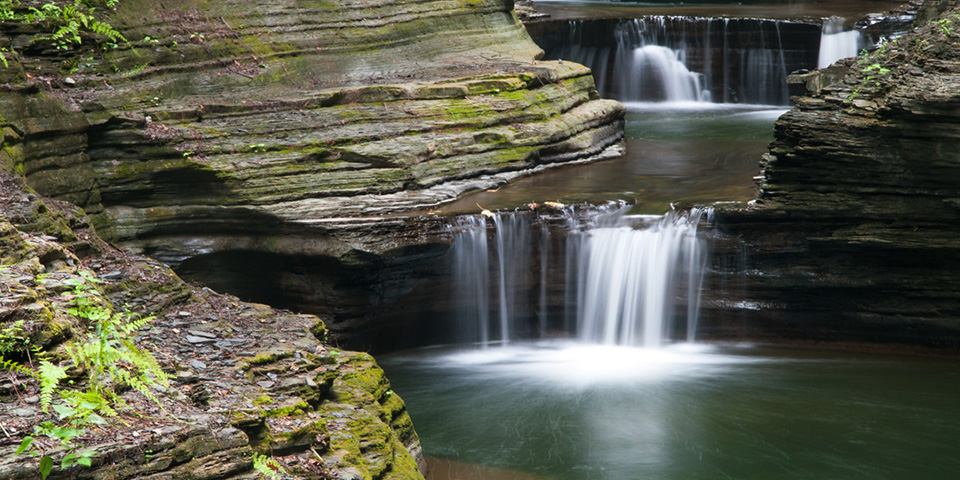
(68, 23)
(875, 70)
(111, 361)
(71, 21)
(109, 355)
(945, 25)
(11, 336)
(268, 467)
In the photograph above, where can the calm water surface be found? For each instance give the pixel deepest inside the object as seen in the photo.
(696, 152)
(564, 411)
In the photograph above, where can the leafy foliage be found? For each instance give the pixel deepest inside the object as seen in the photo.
(12, 337)
(268, 467)
(15, 367)
(109, 357)
(68, 23)
(108, 354)
(50, 376)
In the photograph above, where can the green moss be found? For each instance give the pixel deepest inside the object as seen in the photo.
(262, 400)
(319, 331)
(299, 408)
(266, 358)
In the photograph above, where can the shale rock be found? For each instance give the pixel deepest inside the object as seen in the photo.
(854, 234)
(291, 129)
(260, 381)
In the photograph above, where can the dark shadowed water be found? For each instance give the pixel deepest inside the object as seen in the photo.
(565, 411)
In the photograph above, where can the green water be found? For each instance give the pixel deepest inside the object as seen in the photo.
(567, 411)
(688, 153)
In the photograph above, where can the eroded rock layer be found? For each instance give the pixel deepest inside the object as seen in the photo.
(854, 235)
(291, 128)
(243, 378)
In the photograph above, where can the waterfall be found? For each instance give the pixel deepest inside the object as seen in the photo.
(628, 279)
(660, 71)
(650, 69)
(471, 264)
(623, 277)
(837, 43)
(681, 59)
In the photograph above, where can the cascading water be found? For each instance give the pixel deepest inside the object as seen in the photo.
(661, 70)
(837, 43)
(627, 279)
(650, 69)
(622, 277)
(681, 59)
(471, 263)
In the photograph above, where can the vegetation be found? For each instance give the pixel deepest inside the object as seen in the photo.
(268, 467)
(111, 361)
(67, 23)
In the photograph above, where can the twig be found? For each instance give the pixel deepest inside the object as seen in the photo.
(238, 37)
(8, 435)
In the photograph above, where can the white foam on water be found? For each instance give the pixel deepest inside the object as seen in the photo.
(577, 365)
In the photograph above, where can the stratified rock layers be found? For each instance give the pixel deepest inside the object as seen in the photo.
(293, 127)
(304, 111)
(855, 233)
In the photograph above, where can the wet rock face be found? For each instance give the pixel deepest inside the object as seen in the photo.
(854, 234)
(292, 129)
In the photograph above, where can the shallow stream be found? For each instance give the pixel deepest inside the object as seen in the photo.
(566, 410)
(692, 152)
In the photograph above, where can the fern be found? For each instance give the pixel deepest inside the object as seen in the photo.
(109, 355)
(49, 376)
(16, 367)
(268, 466)
(69, 23)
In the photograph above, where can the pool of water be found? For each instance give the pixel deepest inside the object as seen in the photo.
(567, 411)
(694, 153)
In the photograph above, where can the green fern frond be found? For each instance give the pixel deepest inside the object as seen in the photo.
(50, 376)
(106, 30)
(16, 367)
(135, 323)
(268, 466)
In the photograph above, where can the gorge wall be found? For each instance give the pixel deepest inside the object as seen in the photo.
(290, 132)
(854, 234)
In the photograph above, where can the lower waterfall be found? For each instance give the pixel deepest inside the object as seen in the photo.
(604, 277)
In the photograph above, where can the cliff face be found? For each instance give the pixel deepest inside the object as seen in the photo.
(244, 378)
(291, 129)
(854, 234)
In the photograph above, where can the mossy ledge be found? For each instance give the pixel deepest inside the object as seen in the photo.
(255, 108)
(247, 378)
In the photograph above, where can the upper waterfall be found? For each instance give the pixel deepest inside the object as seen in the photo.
(837, 43)
(688, 59)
